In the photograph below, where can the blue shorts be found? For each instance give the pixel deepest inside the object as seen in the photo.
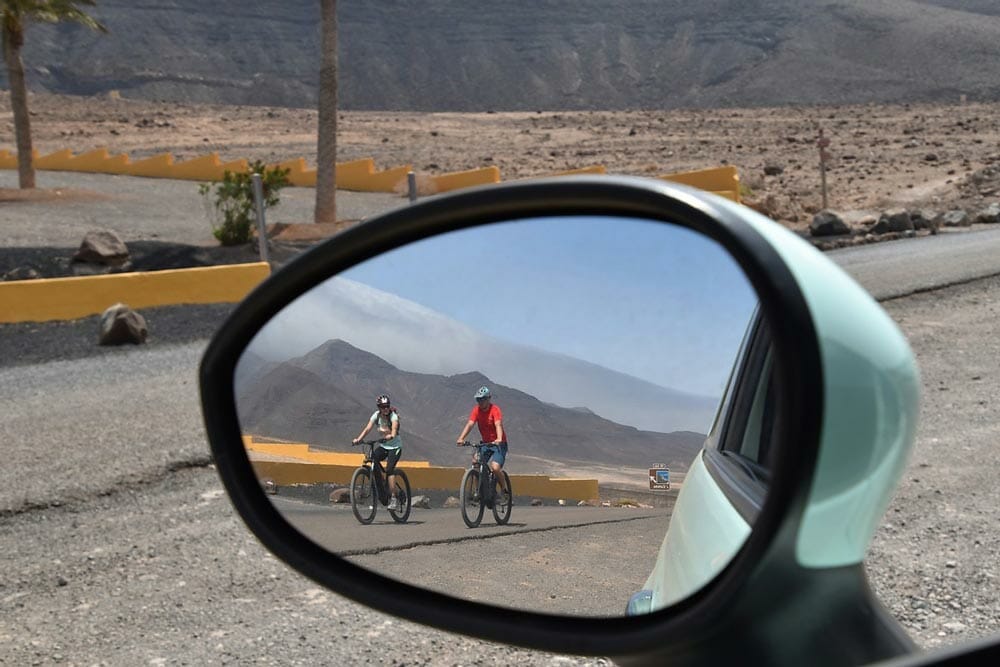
(496, 453)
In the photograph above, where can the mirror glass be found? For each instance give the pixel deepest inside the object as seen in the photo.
(606, 345)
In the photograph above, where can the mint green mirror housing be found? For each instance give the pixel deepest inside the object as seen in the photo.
(871, 399)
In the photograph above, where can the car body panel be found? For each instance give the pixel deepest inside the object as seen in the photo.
(871, 393)
(705, 531)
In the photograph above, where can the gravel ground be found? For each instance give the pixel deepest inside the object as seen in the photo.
(934, 562)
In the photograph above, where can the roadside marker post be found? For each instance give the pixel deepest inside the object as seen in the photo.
(823, 142)
(411, 184)
(258, 198)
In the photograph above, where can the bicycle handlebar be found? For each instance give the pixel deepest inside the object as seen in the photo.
(368, 442)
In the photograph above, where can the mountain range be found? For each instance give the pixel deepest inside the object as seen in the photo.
(421, 340)
(326, 396)
(528, 55)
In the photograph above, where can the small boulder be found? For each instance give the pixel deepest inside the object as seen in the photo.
(989, 215)
(828, 223)
(955, 218)
(924, 219)
(893, 220)
(120, 324)
(452, 501)
(423, 502)
(102, 246)
(340, 496)
(536, 502)
(269, 486)
(21, 273)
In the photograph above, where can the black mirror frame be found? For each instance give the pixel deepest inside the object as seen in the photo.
(798, 370)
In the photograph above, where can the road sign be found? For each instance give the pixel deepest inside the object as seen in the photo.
(659, 478)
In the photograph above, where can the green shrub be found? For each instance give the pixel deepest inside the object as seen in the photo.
(233, 212)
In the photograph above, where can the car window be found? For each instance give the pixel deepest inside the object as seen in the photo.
(740, 459)
(756, 434)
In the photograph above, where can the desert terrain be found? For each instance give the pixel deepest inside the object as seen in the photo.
(879, 156)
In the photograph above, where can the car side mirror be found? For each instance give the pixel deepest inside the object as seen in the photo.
(639, 336)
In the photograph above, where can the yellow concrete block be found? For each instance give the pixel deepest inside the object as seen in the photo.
(55, 161)
(574, 489)
(204, 168)
(158, 166)
(464, 179)
(387, 180)
(90, 161)
(434, 477)
(119, 164)
(72, 298)
(717, 179)
(355, 174)
(236, 167)
(284, 473)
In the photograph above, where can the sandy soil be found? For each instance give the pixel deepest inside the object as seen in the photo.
(879, 156)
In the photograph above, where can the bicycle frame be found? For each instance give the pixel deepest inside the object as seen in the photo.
(487, 479)
(378, 471)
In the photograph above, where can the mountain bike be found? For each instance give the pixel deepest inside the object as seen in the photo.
(481, 489)
(370, 486)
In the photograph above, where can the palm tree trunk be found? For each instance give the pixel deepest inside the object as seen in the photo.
(12, 41)
(326, 146)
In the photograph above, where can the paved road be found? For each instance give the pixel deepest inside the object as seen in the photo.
(143, 208)
(899, 268)
(120, 546)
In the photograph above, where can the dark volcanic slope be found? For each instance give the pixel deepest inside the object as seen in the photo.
(526, 55)
(325, 397)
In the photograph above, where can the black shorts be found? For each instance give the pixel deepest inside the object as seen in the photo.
(391, 456)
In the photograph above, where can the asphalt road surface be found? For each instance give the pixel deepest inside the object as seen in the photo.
(121, 548)
(550, 559)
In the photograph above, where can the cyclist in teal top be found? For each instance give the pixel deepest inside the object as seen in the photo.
(386, 419)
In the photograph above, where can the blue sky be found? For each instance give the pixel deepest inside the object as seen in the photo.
(652, 300)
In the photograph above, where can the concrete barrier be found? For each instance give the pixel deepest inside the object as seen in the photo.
(723, 181)
(357, 175)
(44, 300)
(320, 467)
(465, 179)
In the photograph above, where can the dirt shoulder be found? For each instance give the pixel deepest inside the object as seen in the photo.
(879, 156)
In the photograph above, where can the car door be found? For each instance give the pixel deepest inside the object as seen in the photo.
(725, 488)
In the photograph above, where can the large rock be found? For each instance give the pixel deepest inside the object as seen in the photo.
(893, 220)
(828, 223)
(989, 215)
(341, 495)
(955, 218)
(120, 324)
(21, 273)
(423, 502)
(102, 246)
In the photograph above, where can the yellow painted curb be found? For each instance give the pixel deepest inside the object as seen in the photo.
(72, 298)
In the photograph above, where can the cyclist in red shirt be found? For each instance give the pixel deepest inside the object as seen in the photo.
(487, 416)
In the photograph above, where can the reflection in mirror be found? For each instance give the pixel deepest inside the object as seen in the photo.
(606, 345)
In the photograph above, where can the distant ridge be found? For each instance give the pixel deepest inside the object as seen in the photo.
(527, 55)
(323, 398)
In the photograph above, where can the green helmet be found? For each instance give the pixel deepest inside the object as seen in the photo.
(484, 392)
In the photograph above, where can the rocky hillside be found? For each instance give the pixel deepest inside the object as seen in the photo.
(324, 398)
(528, 55)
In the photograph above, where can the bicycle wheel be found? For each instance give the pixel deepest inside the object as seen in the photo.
(472, 508)
(402, 490)
(502, 500)
(363, 502)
